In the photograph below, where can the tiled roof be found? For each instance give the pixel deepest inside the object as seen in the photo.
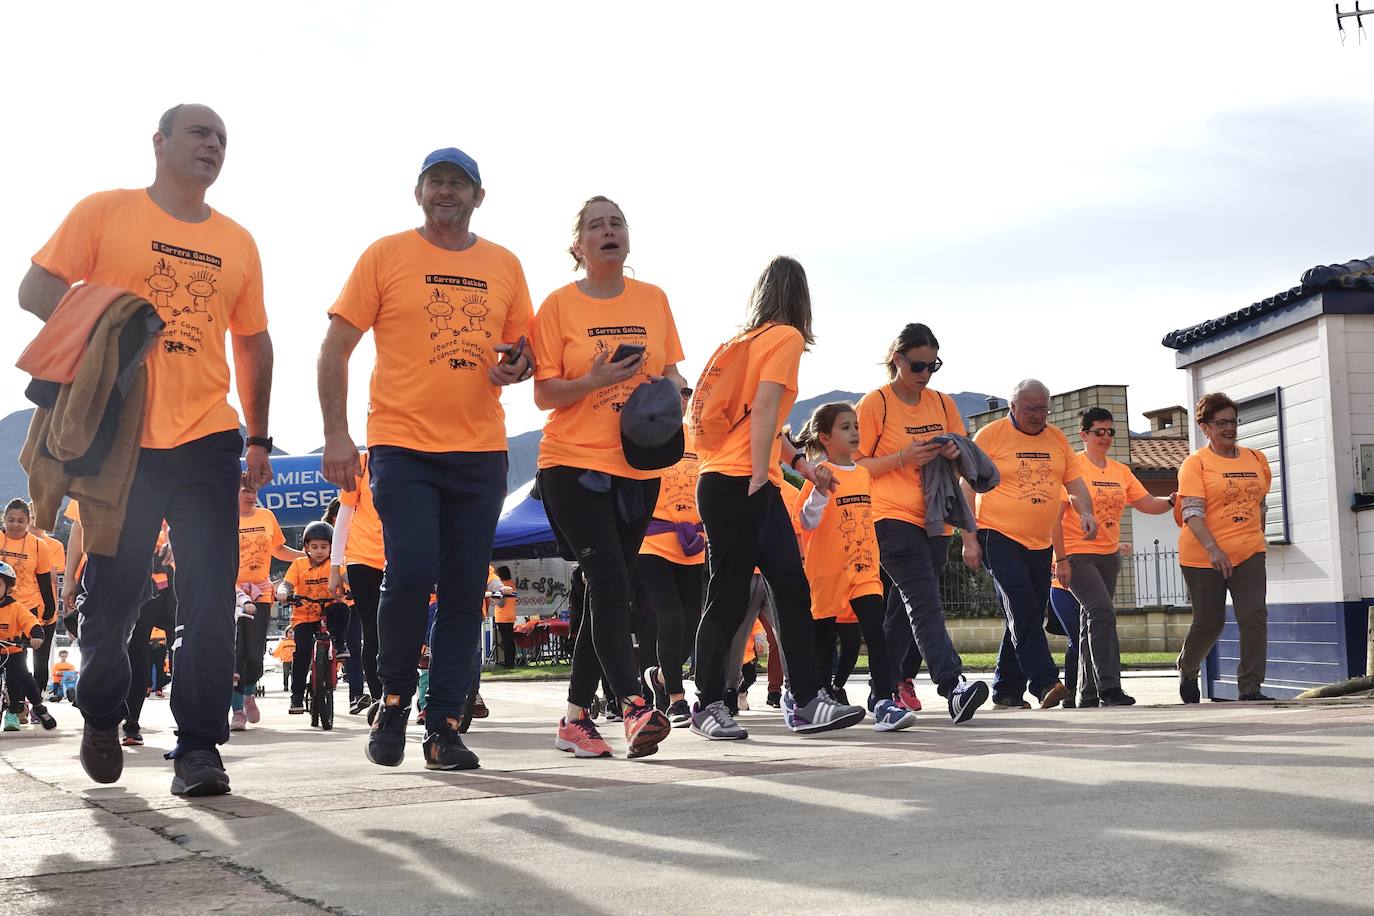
(1350, 275)
(1159, 454)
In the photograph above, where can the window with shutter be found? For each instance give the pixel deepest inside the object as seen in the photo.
(1261, 428)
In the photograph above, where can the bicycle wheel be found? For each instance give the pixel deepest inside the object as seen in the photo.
(324, 696)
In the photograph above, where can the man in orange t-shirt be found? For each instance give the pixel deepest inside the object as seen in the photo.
(1015, 520)
(201, 271)
(449, 313)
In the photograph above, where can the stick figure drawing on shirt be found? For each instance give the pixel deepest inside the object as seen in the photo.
(440, 310)
(201, 288)
(475, 308)
(162, 284)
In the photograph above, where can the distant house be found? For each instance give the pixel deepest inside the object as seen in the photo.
(1300, 365)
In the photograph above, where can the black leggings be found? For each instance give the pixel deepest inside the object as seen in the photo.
(831, 635)
(870, 609)
(742, 532)
(606, 546)
(507, 633)
(672, 593)
(20, 683)
(366, 585)
(41, 666)
(158, 611)
(250, 646)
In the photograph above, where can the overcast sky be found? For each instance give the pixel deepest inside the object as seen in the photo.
(1050, 186)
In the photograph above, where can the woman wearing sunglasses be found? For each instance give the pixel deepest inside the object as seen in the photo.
(897, 427)
(1088, 569)
(1222, 487)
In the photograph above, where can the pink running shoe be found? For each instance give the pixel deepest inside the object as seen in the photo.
(906, 696)
(581, 739)
(238, 721)
(250, 706)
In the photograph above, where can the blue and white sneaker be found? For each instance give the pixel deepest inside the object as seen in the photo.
(889, 717)
(789, 707)
(822, 715)
(965, 699)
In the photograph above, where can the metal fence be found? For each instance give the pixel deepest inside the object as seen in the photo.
(1158, 578)
(1158, 583)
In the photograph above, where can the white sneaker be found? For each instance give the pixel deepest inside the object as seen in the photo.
(965, 699)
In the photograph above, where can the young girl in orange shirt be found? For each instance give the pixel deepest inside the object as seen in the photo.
(841, 552)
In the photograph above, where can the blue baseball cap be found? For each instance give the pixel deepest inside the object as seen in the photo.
(453, 156)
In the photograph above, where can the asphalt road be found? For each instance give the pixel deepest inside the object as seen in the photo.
(1217, 808)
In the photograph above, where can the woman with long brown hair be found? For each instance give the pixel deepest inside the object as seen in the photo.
(746, 522)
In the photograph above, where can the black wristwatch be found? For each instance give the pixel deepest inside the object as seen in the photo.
(264, 441)
(798, 455)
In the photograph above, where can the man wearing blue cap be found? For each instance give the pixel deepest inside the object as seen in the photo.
(449, 313)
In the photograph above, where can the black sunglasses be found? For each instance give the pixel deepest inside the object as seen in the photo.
(920, 365)
(1100, 432)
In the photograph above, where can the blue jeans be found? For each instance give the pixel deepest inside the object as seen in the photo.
(438, 513)
(195, 488)
(1022, 577)
(914, 561)
(1066, 609)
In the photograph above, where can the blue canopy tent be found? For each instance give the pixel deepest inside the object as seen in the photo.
(523, 531)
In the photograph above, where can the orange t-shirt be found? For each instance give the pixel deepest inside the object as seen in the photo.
(436, 316)
(30, 558)
(309, 582)
(57, 554)
(59, 669)
(841, 551)
(773, 356)
(15, 621)
(1234, 489)
(888, 424)
(285, 650)
(677, 502)
(259, 535)
(1113, 489)
(570, 330)
(750, 653)
(204, 279)
(1034, 468)
(73, 511)
(505, 611)
(364, 545)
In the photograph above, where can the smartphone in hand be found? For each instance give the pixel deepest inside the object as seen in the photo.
(625, 351)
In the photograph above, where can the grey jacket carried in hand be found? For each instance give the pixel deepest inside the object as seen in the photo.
(945, 503)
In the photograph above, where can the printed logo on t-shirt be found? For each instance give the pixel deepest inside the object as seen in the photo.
(927, 428)
(253, 545)
(856, 528)
(182, 285)
(1033, 473)
(607, 340)
(1243, 495)
(1109, 501)
(679, 483)
(458, 318)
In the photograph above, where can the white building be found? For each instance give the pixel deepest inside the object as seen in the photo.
(1300, 365)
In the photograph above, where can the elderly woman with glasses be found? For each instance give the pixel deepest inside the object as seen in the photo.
(1016, 521)
(1088, 568)
(1222, 487)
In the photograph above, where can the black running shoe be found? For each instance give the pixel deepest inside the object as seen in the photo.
(1010, 702)
(133, 735)
(774, 699)
(1188, 690)
(444, 750)
(1248, 697)
(199, 772)
(101, 756)
(658, 694)
(1115, 696)
(359, 704)
(731, 700)
(386, 745)
(679, 713)
(45, 718)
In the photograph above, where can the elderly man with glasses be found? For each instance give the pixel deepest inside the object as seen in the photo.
(1015, 524)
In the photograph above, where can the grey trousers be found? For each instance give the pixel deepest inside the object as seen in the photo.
(1093, 582)
(1208, 591)
(760, 602)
